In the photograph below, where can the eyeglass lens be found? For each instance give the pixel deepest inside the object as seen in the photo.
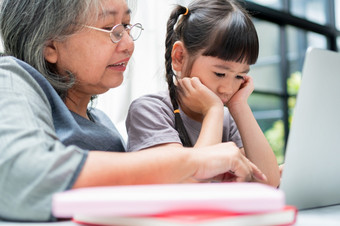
(118, 32)
(135, 31)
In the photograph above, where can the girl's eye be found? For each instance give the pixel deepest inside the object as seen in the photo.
(239, 77)
(219, 74)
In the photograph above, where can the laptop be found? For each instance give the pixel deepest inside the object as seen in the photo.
(311, 175)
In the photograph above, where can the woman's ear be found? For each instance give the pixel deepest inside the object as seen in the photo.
(50, 52)
(178, 55)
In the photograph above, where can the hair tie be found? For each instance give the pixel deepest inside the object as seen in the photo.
(176, 111)
(186, 11)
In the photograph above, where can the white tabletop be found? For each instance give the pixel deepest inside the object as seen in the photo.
(326, 216)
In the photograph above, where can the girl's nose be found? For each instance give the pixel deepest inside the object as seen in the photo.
(226, 88)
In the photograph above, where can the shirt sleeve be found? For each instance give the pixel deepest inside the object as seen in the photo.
(34, 164)
(150, 121)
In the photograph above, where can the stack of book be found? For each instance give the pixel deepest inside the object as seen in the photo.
(176, 204)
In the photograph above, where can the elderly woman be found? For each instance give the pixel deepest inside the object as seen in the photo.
(60, 53)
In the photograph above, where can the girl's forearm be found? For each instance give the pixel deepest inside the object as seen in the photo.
(212, 128)
(255, 144)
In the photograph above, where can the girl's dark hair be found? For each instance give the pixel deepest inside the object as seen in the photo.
(217, 28)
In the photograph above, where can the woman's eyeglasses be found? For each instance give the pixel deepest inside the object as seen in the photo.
(117, 32)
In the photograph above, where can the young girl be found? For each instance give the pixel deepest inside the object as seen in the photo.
(209, 47)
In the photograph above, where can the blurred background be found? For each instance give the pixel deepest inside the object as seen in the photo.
(286, 28)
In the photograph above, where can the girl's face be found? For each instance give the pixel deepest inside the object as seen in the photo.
(224, 78)
(91, 56)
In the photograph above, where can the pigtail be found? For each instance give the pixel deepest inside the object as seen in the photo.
(171, 37)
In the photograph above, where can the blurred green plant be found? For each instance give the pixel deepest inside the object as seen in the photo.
(293, 86)
(293, 83)
(275, 134)
(275, 137)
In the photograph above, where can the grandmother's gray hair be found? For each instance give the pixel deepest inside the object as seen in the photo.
(26, 27)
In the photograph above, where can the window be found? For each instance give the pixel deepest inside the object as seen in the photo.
(293, 27)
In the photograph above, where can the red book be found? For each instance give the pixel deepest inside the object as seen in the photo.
(285, 216)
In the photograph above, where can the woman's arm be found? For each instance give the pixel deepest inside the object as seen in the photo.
(256, 146)
(167, 164)
(34, 164)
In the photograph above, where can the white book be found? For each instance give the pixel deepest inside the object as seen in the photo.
(143, 200)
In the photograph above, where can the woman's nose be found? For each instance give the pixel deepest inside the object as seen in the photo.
(126, 44)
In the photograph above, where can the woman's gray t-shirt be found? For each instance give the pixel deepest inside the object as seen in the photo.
(43, 146)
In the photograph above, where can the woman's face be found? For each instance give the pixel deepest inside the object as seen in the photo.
(224, 78)
(92, 57)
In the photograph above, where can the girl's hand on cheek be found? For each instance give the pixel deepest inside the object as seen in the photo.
(196, 96)
(242, 95)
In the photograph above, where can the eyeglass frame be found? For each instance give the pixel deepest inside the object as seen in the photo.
(127, 28)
